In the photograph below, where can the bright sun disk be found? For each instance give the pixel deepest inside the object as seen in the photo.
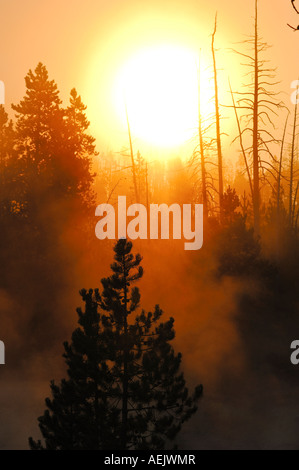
(159, 87)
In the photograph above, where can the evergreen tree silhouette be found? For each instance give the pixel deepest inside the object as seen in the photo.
(53, 146)
(124, 389)
(8, 166)
(77, 415)
(230, 202)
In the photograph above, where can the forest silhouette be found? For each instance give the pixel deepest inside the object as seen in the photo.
(234, 302)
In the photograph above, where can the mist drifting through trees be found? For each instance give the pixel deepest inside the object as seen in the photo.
(234, 302)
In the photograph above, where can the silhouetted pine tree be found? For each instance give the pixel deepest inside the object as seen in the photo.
(125, 389)
(8, 166)
(78, 149)
(54, 148)
(46, 195)
(77, 415)
(230, 202)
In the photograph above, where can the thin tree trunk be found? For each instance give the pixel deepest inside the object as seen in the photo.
(132, 159)
(278, 228)
(255, 142)
(296, 222)
(147, 201)
(146, 188)
(294, 203)
(139, 173)
(241, 142)
(292, 168)
(202, 156)
(280, 170)
(217, 117)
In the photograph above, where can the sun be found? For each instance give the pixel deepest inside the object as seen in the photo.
(159, 87)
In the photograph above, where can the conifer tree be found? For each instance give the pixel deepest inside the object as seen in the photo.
(7, 163)
(78, 149)
(124, 389)
(53, 145)
(76, 417)
(38, 118)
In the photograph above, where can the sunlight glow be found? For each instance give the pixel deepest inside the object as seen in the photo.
(159, 86)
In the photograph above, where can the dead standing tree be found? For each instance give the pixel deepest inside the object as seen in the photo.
(293, 217)
(202, 154)
(292, 198)
(260, 104)
(132, 159)
(217, 118)
(279, 176)
(241, 141)
(198, 159)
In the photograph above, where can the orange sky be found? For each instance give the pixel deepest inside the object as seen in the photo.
(83, 43)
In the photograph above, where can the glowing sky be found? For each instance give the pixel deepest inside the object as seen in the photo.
(86, 44)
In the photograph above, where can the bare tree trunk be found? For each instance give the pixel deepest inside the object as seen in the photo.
(261, 104)
(294, 203)
(146, 188)
(147, 201)
(255, 140)
(278, 227)
(132, 159)
(280, 170)
(241, 141)
(217, 117)
(296, 222)
(292, 168)
(202, 155)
